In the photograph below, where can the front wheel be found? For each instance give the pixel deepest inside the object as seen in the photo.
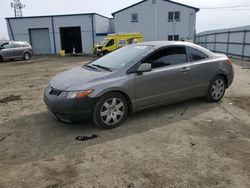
(26, 56)
(216, 89)
(110, 111)
(105, 52)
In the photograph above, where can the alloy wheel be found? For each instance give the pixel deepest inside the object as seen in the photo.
(218, 89)
(112, 111)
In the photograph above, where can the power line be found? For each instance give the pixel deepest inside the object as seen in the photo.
(226, 7)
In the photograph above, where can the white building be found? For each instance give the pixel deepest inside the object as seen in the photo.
(156, 19)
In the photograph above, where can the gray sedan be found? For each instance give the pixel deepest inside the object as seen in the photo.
(137, 77)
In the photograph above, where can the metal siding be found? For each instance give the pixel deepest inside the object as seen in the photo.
(103, 24)
(248, 37)
(236, 37)
(40, 41)
(100, 38)
(21, 28)
(83, 21)
(234, 42)
(221, 37)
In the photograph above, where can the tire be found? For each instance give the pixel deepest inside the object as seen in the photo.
(110, 111)
(105, 52)
(216, 89)
(26, 56)
(1, 59)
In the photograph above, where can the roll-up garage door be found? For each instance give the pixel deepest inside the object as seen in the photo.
(40, 41)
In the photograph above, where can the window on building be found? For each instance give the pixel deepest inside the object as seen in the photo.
(170, 16)
(173, 37)
(195, 55)
(168, 56)
(134, 17)
(176, 37)
(174, 16)
(177, 16)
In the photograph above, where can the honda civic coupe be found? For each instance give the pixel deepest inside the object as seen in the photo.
(137, 77)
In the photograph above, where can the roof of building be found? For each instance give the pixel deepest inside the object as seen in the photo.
(58, 15)
(196, 9)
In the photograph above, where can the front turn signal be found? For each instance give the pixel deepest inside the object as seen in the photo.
(85, 93)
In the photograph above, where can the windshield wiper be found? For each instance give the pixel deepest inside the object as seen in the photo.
(102, 67)
(90, 67)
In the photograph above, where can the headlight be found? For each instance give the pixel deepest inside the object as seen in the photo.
(75, 94)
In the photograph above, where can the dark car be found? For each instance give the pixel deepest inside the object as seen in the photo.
(137, 77)
(15, 50)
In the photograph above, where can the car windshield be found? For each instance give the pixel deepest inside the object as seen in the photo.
(104, 42)
(120, 57)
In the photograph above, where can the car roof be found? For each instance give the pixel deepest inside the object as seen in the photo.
(11, 41)
(164, 43)
(4, 41)
(159, 44)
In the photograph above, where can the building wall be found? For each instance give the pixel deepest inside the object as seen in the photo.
(83, 21)
(153, 23)
(234, 42)
(161, 28)
(20, 29)
(103, 24)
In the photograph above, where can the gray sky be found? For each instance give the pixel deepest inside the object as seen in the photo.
(206, 19)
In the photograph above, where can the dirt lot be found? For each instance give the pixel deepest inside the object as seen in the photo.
(192, 144)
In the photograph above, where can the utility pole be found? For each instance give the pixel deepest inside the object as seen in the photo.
(18, 6)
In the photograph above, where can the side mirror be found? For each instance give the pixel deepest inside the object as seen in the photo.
(144, 67)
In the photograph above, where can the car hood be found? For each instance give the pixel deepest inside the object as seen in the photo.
(76, 79)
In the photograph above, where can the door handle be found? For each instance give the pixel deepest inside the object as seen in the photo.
(185, 69)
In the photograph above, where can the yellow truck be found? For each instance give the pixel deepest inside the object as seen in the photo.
(114, 41)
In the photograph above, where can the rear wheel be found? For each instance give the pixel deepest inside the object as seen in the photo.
(216, 89)
(110, 111)
(1, 59)
(26, 56)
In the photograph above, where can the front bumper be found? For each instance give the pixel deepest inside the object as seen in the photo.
(69, 110)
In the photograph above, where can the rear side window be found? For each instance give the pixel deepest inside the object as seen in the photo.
(195, 55)
(167, 56)
(16, 45)
(24, 44)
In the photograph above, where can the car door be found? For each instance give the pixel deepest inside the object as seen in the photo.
(203, 70)
(6, 51)
(170, 78)
(17, 50)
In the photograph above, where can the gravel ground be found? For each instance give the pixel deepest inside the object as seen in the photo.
(191, 144)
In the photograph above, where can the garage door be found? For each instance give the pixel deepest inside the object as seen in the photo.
(40, 41)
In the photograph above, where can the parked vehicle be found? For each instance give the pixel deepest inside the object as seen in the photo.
(15, 50)
(115, 41)
(137, 77)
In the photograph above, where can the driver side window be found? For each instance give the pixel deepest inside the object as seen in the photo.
(6, 46)
(167, 56)
(110, 43)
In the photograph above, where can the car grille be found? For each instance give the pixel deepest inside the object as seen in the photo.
(53, 91)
